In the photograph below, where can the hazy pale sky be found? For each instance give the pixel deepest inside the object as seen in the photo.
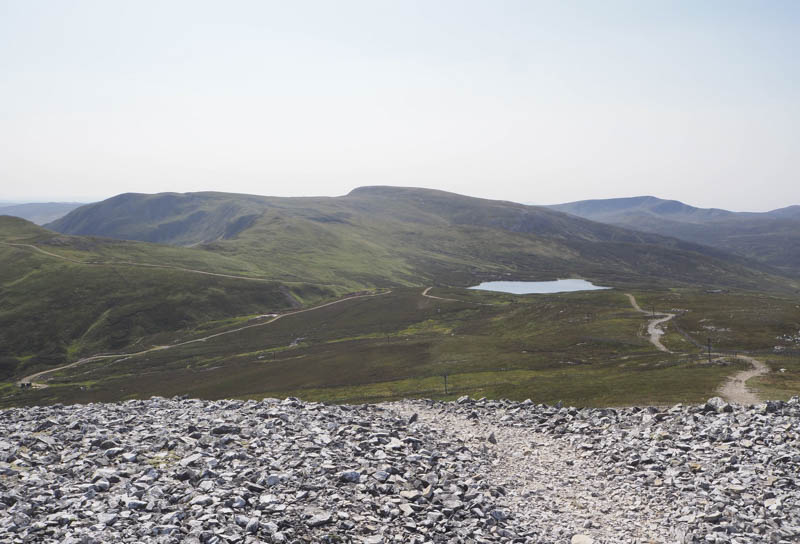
(537, 102)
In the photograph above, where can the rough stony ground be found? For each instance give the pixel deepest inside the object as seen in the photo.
(710, 473)
(172, 470)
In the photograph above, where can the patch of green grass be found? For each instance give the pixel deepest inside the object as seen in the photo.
(429, 326)
(783, 382)
(584, 386)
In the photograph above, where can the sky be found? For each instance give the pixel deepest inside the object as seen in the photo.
(532, 101)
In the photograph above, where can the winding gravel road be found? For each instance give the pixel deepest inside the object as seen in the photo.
(734, 389)
(653, 330)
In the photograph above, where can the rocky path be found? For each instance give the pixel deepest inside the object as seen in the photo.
(653, 330)
(688, 474)
(548, 481)
(735, 388)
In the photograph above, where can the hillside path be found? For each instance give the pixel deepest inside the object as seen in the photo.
(31, 379)
(735, 387)
(427, 289)
(548, 480)
(653, 330)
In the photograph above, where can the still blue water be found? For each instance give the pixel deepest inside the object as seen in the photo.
(526, 287)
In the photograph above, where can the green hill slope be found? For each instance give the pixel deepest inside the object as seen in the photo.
(377, 236)
(770, 237)
(55, 309)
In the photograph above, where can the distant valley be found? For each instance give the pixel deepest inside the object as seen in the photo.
(39, 212)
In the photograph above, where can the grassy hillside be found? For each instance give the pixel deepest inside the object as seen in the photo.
(178, 219)
(771, 237)
(53, 310)
(378, 236)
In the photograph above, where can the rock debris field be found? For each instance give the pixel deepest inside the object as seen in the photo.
(179, 470)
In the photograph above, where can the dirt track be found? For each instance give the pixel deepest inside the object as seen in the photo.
(653, 329)
(735, 388)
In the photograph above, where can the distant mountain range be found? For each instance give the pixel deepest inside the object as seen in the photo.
(39, 212)
(377, 236)
(769, 237)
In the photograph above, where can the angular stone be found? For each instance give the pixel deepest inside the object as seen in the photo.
(350, 476)
(319, 519)
(202, 500)
(226, 429)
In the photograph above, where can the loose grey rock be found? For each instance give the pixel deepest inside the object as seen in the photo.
(108, 518)
(716, 404)
(202, 500)
(350, 476)
(226, 429)
(319, 519)
(214, 472)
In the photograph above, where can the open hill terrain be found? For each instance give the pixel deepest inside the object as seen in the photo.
(770, 237)
(39, 212)
(330, 299)
(589, 349)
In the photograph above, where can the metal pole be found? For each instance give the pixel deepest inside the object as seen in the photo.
(445, 384)
(709, 350)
